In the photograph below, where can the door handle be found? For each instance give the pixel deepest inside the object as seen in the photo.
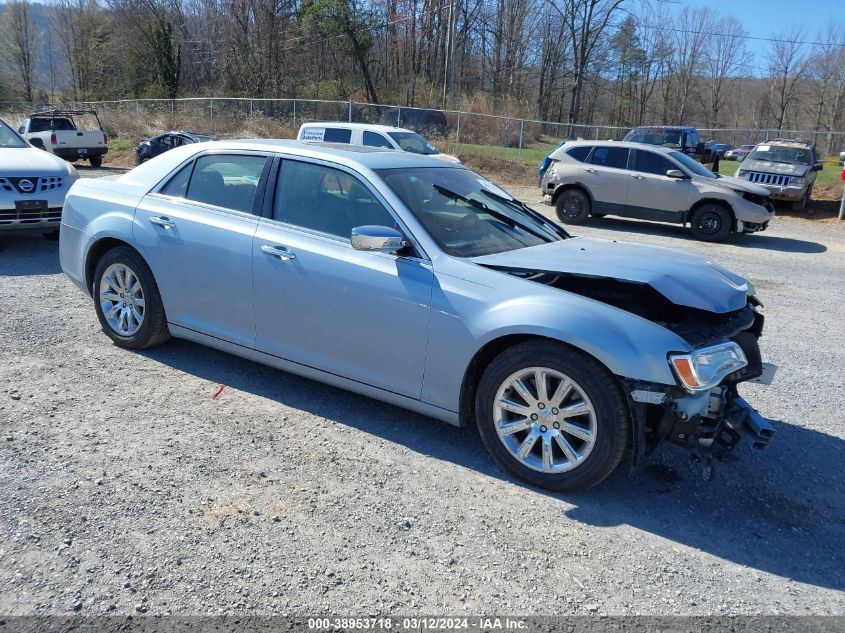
(279, 252)
(163, 221)
(590, 169)
(637, 176)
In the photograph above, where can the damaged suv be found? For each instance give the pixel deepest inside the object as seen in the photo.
(424, 285)
(786, 168)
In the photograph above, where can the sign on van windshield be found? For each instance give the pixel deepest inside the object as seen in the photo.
(313, 134)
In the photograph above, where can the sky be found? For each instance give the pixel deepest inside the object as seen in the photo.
(766, 18)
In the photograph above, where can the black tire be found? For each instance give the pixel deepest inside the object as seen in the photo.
(711, 222)
(802, 204)
(96, 161)
(573, 206)
(599, 385)
(153, 328)
(53, 236)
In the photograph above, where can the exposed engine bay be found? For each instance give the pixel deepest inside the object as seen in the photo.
(707, 421)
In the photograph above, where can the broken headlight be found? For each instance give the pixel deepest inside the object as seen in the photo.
(705, 368)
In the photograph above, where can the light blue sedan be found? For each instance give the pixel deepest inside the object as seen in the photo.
(424, 285)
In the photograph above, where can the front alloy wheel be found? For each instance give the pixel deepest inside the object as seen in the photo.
(545, 420)
(552, 416)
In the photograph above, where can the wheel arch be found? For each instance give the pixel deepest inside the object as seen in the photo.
(96, 252)
(718, 201)
(569, 186)
(485, 355)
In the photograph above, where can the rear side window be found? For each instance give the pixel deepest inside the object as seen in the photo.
(228, 181)
(651, 163)
(337, 135)
(580, 153)
(373, 139)
(177, 186)
(616, 157)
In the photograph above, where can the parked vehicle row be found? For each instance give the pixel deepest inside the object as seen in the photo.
(56, 132)
(421, 283)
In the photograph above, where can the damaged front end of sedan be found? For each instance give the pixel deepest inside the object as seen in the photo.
(703, 411)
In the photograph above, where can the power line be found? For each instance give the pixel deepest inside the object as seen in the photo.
(740, 37)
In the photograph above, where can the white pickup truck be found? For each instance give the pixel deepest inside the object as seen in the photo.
(56, 131)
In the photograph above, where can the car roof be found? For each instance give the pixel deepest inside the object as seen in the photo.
(684, 128)
(374, 127)
(625, 144)
(353, 156)
(784, 142)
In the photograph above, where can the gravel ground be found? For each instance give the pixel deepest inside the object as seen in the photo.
(126, 488)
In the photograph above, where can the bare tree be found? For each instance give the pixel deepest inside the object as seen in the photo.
(82, 29)
(725, 59)
(19, 39)
(787, 68)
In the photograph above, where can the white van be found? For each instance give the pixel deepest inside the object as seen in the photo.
(372, 136)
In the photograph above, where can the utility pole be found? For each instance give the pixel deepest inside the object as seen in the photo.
(449, 67)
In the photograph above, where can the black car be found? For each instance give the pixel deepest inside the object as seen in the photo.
(151, 147)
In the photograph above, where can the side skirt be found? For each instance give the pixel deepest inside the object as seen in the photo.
(417, 406)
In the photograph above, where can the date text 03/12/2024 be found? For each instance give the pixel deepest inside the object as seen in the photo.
(418, 623)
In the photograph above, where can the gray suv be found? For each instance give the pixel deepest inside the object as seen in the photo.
(597, 178)
(787, 168)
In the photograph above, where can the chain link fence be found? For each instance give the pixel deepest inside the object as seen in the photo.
(452, 130)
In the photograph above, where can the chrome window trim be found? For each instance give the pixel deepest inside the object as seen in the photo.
(156, 190)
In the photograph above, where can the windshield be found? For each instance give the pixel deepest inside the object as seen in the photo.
(693, 165)
(666, 138)
(779, 154)
(413, 142)
(8, 137)
(466, 214)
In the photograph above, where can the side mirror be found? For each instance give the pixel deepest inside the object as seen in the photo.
(700, 148)
(379, 239)
(818, 167)
(676, 173)
(36, 142)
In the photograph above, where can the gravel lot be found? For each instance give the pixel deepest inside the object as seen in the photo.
(125, 487)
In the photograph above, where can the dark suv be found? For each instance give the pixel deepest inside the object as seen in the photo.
(682, 138)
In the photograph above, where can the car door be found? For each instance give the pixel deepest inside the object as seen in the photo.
(605, 175)
(321, 303)
(196, 233)
(652, 195)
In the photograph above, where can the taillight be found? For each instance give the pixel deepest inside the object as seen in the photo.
(53, 140)
(105, 138)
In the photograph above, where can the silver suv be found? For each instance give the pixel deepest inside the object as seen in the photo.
(787, 168)
(33, 186)
(594, 178)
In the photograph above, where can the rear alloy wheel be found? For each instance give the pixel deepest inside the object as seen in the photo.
(127, 300)
(711, 223)
(573, 206)
(552, 416)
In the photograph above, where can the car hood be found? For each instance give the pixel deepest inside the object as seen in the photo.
(29, 161)
(736, 184)
(684, 279)
(769, 167)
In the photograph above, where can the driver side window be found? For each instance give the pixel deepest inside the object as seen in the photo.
(327, 200)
